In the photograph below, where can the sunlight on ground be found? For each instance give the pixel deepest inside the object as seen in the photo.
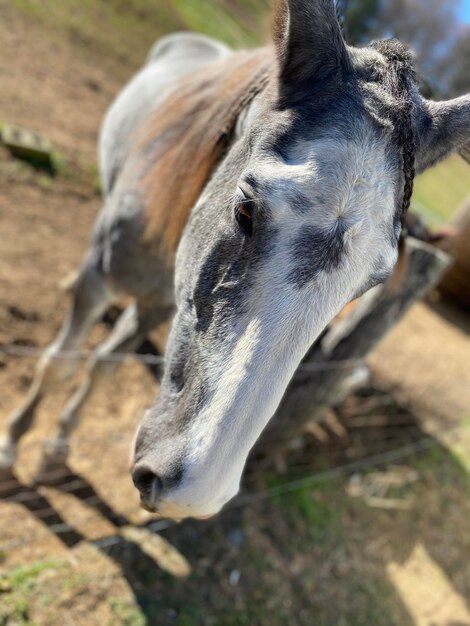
(159, 549)
(427, 592)
(459, 442)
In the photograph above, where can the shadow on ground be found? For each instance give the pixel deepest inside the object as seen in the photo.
(313, 552)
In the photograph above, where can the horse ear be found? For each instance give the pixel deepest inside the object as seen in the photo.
(446, 129)
(309, 41)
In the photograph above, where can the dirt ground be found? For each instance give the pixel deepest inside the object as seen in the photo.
(51, 83)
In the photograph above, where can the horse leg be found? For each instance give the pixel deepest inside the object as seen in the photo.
(89, 301)
(131, 329)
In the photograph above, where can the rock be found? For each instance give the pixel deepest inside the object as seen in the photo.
(28, 145)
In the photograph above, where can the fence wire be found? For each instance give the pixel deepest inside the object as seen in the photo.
(245, 499)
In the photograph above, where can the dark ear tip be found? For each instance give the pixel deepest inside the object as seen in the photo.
(308, 38)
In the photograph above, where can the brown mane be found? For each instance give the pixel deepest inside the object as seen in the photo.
(185, 137)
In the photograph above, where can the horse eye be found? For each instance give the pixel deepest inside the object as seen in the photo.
(244, 216)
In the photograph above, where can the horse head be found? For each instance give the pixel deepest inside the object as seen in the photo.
(302, 213)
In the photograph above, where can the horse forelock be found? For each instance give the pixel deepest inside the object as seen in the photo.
(185, 137)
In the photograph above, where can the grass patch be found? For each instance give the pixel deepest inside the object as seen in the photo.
(372, 605)
(315, 506)
(34, 7)
(440, 191)
(217, 20)
(16, 589)
(27, 575)
(126, 613)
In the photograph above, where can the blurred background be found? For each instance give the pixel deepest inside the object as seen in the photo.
(364, 518)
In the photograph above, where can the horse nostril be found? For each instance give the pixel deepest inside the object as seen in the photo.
(149, 484)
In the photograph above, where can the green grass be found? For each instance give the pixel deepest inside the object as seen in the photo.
(316, 506)
(126, 613)
(27, 575)
(224, 22)
(16, 590)
(440, 191)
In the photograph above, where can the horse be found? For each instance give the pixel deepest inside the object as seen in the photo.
(251, 195)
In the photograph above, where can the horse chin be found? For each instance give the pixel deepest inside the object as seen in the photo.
(170, 511)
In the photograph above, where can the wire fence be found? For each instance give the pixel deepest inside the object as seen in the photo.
(245, 499)
(12, 491)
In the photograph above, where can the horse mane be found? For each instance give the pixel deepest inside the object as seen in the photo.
(186, 136)
(398, 82)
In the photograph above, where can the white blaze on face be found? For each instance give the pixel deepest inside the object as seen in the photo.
(282, 320)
